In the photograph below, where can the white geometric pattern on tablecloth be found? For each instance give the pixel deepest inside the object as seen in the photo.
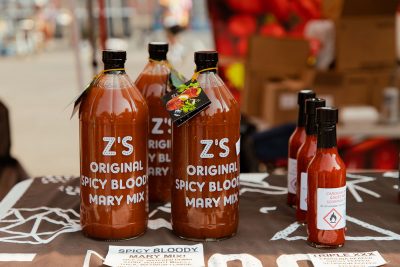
(61, 221)
(386, 235)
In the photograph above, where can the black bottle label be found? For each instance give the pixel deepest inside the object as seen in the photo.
(185, 102)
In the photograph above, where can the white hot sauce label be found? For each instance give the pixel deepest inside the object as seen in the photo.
(303, 191)
(331, 208)
(292, 175)
(211, 149)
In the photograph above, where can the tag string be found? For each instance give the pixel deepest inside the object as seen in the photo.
(197, 73)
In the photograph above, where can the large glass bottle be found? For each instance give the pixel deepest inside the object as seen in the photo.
(153, 84)
(305, 155)
(113, 128)
(205, 190)
(295, 141)
(326, 214)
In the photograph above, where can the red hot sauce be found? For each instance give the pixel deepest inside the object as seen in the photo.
(153, 84)
(295, 141)
(205, 192)
(113, 128)
(326, 215)
(305, 155)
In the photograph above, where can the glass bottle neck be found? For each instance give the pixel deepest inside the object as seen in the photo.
(301, 120)
(327, 137)
(114, 65)
(206, 67)
(311, 126)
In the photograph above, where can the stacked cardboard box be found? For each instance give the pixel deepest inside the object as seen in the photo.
(365, 60)
(271, 59)
(365, 54)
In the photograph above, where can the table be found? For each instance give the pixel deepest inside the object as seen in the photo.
(40, 221)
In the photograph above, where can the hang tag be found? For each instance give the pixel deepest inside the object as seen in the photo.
(78, 100)
(185, 102)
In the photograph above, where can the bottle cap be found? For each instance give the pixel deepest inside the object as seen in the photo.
(206, 58)
(303, 95)
(327, 115)
(312, 104)
(114, 55)
(158, 50)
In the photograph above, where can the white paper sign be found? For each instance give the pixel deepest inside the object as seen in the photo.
(168, 255)
(344, 259)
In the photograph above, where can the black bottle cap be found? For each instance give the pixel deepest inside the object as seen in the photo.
(327, 115)
(205, 59)
(158, 50)
(311, 114)
(303, 95)
(312, 104)
(301, 98)
(114, 55)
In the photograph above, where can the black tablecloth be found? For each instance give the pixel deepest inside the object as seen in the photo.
(45, 221)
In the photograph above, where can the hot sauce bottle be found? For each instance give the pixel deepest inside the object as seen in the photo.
(205, 192)
(326, 215)
(305, 155)
(113, 128)
(295, 141)
(153, 84)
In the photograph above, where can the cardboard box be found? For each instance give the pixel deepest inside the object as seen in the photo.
(270, 59)
(356, 88)
(279, 100)
(365, 32)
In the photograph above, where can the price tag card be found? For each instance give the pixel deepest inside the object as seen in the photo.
(168, 255)
(345, 259)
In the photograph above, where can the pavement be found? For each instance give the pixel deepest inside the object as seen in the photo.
(38, 88)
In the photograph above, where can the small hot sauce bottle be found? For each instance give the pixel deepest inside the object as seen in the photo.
(305, 155)
(153, 84)
(295, 141)
(326, 215)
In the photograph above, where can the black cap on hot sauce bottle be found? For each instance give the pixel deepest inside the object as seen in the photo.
(301, 98)
(158, 50)
(311, 114)
(205, 60)
(327, 118)
(114, 59)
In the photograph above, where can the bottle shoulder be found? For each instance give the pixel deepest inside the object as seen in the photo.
(222, 101)
(113, 97)
(327, 160)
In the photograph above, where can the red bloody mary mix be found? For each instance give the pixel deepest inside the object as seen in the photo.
(113, 128)
(326, 213)
(205, 192)
(153, 84)
(296, 140)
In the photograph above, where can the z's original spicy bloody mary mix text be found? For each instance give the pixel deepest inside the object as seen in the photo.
(205, 191)
(305, 155)
(113, 132)
(153, 84)
(326, 214)
(296, 140)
